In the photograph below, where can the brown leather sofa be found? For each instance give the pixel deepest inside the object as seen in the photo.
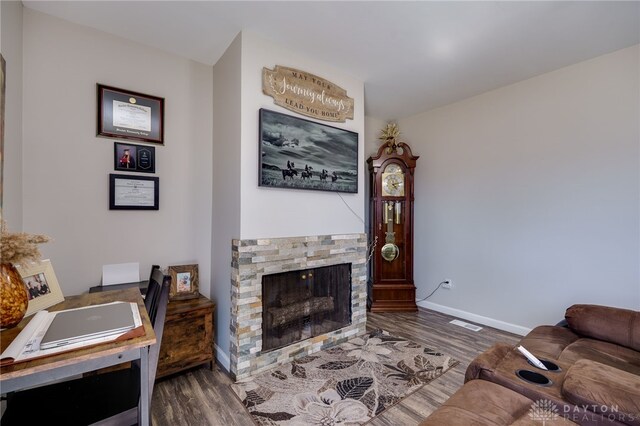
(597, 379)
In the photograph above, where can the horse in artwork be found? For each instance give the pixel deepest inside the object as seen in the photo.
(323, 176)
(334, 177)
(306, 175)
(289, 173)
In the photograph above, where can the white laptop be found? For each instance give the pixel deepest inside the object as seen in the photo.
(77, 325)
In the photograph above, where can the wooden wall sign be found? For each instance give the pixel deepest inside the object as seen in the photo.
(307, 94)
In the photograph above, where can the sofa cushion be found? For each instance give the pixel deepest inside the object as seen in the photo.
(615, 325)
(548, 341)
(604, 389)
(603, 352)
(481, 403)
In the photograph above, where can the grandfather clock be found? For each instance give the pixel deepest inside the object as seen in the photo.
(390, 285)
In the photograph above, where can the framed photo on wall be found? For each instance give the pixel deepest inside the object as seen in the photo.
(134, 158)
(302, 154)
(184, 282)
(128, 192)
(131, 115)
(42, 286)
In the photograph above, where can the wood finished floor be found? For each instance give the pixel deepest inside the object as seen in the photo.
(203, 397)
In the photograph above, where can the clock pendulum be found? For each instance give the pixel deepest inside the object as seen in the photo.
(390, 250)
(390, 284)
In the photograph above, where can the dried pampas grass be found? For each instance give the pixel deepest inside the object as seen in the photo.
(19, 248)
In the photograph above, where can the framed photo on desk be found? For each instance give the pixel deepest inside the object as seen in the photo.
(184, 282)
(42, 286)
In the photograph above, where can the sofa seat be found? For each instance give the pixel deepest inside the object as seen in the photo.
(483, 403)
(606, 390)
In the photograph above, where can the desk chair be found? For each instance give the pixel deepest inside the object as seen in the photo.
(104, 399)
(151, 296)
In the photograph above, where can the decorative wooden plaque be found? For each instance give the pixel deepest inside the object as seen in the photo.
(307, 94)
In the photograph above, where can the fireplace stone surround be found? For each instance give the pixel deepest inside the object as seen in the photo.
(251, 259)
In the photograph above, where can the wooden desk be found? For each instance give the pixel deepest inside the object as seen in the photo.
(64, 365)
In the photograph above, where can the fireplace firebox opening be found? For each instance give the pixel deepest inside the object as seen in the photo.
(301, 304)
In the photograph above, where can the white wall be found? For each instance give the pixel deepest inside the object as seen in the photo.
(528, 196)
(11, 46)
(66, 167)
(275, 212)
(372, 128)
(226, 185)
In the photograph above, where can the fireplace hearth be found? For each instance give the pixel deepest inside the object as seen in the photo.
(310, 308)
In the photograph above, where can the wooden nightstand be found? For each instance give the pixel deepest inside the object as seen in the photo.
(187, 340)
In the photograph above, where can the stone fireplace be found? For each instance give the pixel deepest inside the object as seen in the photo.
(309, 293)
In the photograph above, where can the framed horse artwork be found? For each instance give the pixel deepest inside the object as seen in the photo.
(302, 154)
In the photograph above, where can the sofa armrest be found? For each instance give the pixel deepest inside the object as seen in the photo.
(487, 361)
(604, 390)
(613, 325)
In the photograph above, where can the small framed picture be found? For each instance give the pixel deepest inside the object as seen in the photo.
(130, 115)
(128, 192)
(42, 286)
(134, 158)
(184, 282)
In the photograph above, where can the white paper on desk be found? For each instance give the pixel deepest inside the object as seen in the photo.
(120, 273)
(27, 344)
(25, 341)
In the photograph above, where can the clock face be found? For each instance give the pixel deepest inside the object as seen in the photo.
(393, 181)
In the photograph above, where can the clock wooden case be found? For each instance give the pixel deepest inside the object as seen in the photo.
(390, 286)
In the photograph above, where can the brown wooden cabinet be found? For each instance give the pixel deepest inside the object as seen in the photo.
(187, 340)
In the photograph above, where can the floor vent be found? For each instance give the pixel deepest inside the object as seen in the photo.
(466, 325)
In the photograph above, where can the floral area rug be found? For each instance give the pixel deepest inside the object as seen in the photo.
(348, 384)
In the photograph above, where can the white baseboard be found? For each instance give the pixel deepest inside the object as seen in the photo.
(222, 358)
(500, 325)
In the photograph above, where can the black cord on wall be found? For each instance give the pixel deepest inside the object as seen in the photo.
(431, 294)
(371, 248)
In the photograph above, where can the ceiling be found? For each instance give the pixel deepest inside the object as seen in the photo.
(412, 56)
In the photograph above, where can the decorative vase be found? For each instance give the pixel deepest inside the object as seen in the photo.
(14, 298)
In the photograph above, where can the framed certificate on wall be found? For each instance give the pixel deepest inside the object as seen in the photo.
(125, 114)
(128, 192)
